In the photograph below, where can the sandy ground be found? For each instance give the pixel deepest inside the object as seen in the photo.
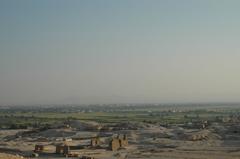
(9, 156)
(153, 142)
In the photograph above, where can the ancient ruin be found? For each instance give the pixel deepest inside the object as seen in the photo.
(62, 149)
(119, 142)
(39, 148)
(95, 141)
(123, 140)
(114, 144)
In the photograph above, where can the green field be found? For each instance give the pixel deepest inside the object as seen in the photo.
(39, 117)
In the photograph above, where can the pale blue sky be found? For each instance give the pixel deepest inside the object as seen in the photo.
(119, 51)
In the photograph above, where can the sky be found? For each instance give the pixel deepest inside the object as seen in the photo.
(119, 51)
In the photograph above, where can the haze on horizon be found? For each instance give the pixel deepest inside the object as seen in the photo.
(128, 51)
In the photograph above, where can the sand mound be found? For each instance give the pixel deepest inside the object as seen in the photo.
(201, 135)
(132, 126)
(84, 125)
(56, 133)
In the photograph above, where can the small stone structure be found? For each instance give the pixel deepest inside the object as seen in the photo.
(39, 148)
(119, 142)
(114, 144)
(62, 149)
(95, 142)
(123, 141)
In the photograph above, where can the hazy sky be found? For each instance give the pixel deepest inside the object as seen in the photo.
(119, 51)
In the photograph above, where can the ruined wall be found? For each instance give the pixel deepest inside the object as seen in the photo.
(95, 142)
(39, 148)
(119, 142)
(123, 141)
(62, 149)
(114, 144)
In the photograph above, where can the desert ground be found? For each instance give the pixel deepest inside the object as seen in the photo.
(177, 133)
